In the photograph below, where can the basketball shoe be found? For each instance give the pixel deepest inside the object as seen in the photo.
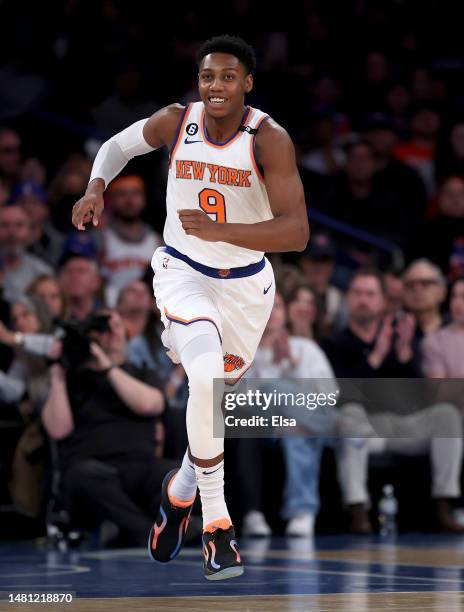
(167, 535)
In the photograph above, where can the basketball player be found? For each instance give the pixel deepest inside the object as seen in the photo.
(233, 193)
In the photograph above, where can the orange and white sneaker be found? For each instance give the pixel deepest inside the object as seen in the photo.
(220, 548)
(167, 535)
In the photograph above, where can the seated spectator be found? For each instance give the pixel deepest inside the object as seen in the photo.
(395, 176)
(20, 268)
(419, 152)
(424, 293)
(302, 312)
(318, 264)
(450, 156)
(80, 282)
(134, 304)
(442, 237)
(128, 242)
(28, 372)
(284, 357)
(355, 198)
(370, 347)
(44, 240)
(104, 415)
(443, 350)
(47, 288)
(10, 156)
(394, 292)
(327, 157)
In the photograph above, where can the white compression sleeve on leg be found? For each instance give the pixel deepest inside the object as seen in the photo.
(203, 362)
(114, 154)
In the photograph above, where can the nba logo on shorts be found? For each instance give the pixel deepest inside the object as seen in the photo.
(224, 273)
(165, 262)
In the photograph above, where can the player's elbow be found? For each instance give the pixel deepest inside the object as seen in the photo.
(301, 236)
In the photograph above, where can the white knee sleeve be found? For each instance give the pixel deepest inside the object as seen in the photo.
(202, 360)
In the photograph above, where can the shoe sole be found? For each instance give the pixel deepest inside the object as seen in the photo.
(228, 572)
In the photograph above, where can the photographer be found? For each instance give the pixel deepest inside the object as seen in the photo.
(103, 411)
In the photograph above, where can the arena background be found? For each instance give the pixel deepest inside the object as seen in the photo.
(334, 74)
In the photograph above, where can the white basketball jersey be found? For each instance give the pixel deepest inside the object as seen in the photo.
(222, 179)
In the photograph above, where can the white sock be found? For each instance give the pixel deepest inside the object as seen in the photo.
(184, 485)
(211, 485)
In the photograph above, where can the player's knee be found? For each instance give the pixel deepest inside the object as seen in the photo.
(206, 374)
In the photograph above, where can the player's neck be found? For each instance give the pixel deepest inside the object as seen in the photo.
(222, 128)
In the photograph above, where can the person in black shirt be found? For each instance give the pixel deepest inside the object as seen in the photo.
(104, 415)
(376, 346)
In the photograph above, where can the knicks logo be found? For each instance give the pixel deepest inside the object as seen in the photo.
(224, 273)
(233, 362)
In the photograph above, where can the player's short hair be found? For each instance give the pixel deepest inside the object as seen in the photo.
(229, 44)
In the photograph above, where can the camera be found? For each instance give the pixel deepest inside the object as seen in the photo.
(76, 340)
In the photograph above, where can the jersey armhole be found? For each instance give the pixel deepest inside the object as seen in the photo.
(180, 129)
(258, 168)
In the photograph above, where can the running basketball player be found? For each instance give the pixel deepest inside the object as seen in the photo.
(233, 193)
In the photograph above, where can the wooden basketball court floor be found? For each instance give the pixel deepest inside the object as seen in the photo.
(412, 572)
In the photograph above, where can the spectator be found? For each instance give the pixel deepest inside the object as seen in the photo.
(44, 240)
(443, 349)
(20, 267)
(128, 242)
(328, 156)
(47, 288)
(371, 348)
(419, 151)
(302, 313)
(450, 156)
(394, 176)
(80, 282)
(135, 303)
(318, 264)
(424, 293)
(28, 372)
(10, 156)
(355, 199)
(442, 237)
(284, 358)
(103, 415)
(394, 292)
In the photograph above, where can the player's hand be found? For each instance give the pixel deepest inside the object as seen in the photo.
(199, 224)
(88, 209)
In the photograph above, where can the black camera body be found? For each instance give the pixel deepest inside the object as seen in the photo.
(76, 340)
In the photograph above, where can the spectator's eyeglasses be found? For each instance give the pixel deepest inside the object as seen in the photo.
(423, 283)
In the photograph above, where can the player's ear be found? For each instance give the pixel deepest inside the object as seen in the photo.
(248, 83)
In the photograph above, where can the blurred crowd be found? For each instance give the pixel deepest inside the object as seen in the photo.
(86, 389)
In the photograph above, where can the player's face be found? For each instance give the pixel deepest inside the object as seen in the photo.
(222, 83)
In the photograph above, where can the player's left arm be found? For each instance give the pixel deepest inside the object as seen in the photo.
(289, 229)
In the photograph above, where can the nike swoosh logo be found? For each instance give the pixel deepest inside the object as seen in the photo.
(186, 141)
(266, 290)
(208, 473)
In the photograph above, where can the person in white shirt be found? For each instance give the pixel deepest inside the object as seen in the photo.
(286, 358)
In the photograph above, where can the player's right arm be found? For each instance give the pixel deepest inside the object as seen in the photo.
(139, 138)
